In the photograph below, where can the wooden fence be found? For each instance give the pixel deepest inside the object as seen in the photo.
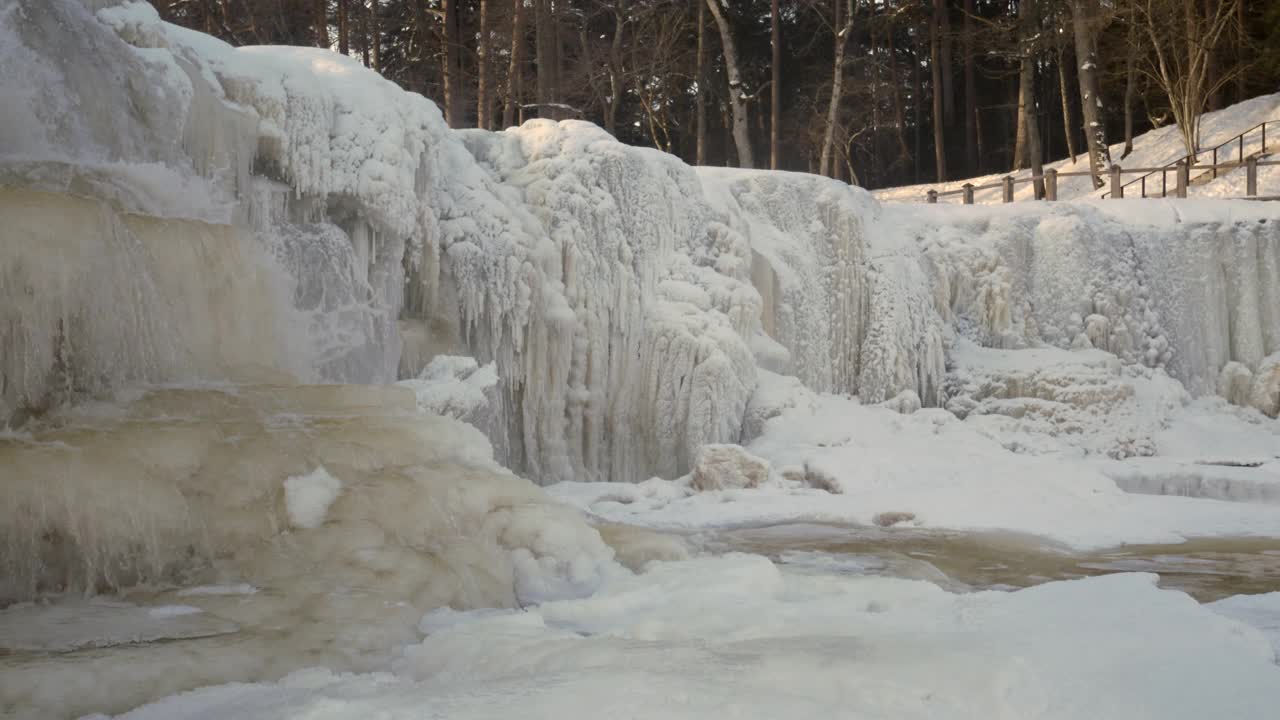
(1181, 172)
(1182, 169)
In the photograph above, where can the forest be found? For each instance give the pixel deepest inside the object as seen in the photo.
(876, 92)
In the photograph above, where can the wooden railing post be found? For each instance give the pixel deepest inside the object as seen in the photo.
(932, 197)
(1251, 176)
(1183, 177)
(1117, 188)
(1050, 184)
(1008, 188)
(1215, 164)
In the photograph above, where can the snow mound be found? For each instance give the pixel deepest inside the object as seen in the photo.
(307, 497)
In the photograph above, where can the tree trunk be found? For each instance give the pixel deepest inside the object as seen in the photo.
(1020, 120)
(452, 65)
(543, 52)
(1029, 22)
(548, 60)
(1242, 50)
(827, 161)
(375, 35)
(700, 153)
(362, 30)
(899, 115)
(737, 94)
(775, 100)
(615, 72)
(482, 70)
(320, 20)
(1130, 84)
(935, 66)
(1082, 11)
(970, 92)
(1068, 129)
(948, 85)
(344, 31)
(1214, 100)
(917, 107)
(515, 69)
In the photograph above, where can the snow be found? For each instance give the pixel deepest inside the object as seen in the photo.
(308, 497)
(1037, 460)
(737, 636)
(1258, 611)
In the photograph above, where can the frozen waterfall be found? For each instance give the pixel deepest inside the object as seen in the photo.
(193, 212)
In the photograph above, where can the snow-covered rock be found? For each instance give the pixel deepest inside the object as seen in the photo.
(728, 467)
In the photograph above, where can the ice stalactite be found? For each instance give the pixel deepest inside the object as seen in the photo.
(852, 307)
(1197, 297)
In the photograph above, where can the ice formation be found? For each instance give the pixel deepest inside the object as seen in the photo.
(342, 510)
(625, 299)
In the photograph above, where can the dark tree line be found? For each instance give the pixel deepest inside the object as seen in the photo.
(877, 92)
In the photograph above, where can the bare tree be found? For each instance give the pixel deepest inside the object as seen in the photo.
(483, 104)
(935, 66)
(1084, 18)
(700, 140)
(1068, 129)
(344, 29)
(775, 101)
(737, 93)
(515, 68)
(1182, 37)
(970, 89)
(1029, 29)
(1132, 51)
(843, 29)
(452, 65)
(319, 18)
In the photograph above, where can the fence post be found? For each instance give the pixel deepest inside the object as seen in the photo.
(1050, 184)
(1183, 176)
(968, 193)
(1117, 188)
(1215, 164)
(1008, 188)
(1251, 178)
(932, 197)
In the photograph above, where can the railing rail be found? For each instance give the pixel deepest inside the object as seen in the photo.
(1182, 168)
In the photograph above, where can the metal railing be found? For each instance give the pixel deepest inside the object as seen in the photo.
(1182, 169)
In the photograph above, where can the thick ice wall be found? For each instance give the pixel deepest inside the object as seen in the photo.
(594, 275)
(92, 298)
(847, 299)
(1188, 288)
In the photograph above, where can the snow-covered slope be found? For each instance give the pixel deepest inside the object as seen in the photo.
(1155, 148)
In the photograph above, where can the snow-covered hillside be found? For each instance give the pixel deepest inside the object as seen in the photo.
(1155, 148)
